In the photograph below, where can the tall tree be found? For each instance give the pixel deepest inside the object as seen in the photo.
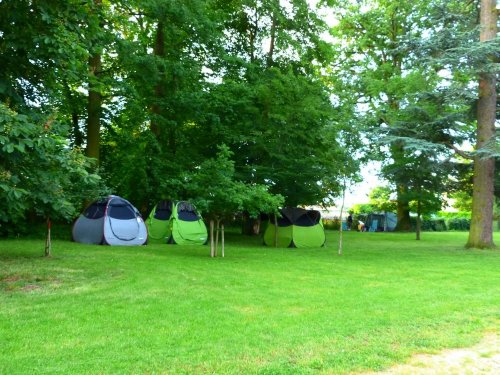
(273, 106)
(40, 176)
(94, 99)
(381, 71)
(481, 231)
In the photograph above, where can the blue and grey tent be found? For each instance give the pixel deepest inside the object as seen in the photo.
(381, 222)
(110, 221)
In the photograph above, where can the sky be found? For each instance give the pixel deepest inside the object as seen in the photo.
(359, 193)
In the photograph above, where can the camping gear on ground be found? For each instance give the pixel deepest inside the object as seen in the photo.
(110, 221)
(176, 223)
(297, 227)
(381, 222)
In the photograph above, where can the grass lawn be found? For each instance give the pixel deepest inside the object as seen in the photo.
(161, 309)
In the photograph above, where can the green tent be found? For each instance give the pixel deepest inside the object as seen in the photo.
(176, 223)
(297, 227)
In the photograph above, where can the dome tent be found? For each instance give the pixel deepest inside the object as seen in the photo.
(380, 222)
(110, 221)
(176, 223)
(297, 227)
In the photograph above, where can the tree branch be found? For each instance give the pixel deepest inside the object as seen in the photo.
(462, 153)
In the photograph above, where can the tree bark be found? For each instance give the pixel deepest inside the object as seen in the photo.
(158, 50)
(250, 226)
(222, 239)
(481, 229)
(403, 206)
(270, 56)
(94, 109)
(275, 230)
(212, 245)
(403, 210)
(77, 133)
(419, 226)
(94, 103)
(217, 237)
(341, 212)
(48, 241)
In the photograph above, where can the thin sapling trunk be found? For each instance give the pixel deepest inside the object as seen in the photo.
(212, 245)
(341, 214)
(48, 241)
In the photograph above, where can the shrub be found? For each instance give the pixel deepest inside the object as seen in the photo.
(333, 224)
(459, 224)
(430, 225)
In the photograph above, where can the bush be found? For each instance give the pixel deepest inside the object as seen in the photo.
(459, 224)
(430, 225)
(333, 224)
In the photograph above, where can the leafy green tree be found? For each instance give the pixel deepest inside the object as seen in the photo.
(380, 199)
(272, 107)
(427, 187)
(442, 116)
(362, 208)
(39, 174)
(218, 195)
(160, 104)
(374, 68)
(481, 230)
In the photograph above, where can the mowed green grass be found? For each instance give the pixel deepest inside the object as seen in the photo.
(163, 309)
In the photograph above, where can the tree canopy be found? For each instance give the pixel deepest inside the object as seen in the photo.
(136, 97)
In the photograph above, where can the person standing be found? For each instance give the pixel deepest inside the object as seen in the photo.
(349, 221)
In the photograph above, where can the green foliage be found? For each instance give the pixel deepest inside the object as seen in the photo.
(39, 174)
(453, 215)
(458, 223)
(430, 224)
(362, 208)
(217, 194)
(380, 199)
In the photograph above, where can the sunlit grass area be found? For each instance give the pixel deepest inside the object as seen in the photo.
(168, 309)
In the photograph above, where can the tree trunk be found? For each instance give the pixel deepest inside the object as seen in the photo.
(48, 241)
(272, 42)
(403, 206)
(250, 226)
(341, 212)
(275, 230)
(217, 237)
(481, 229)
(158, 50)
(222, 239)
(403, 210)
(418, 227)
(77, 132)
(94, 103)
(212, 244)
(94, 109)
